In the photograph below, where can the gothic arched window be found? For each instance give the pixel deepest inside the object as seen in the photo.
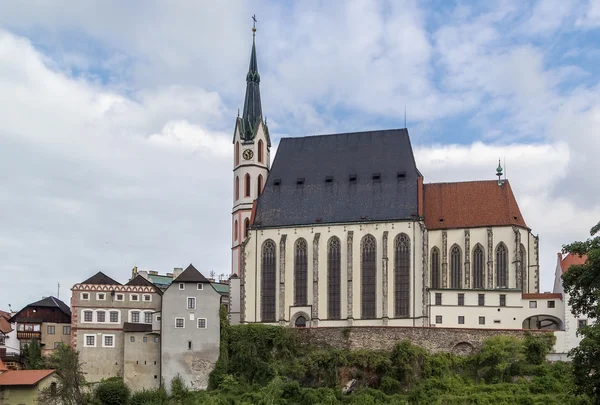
(501, 266)
(300, 322)
(246, 226)
(402, 276)
(247, 185)
(455, 267)
(235, 230)
(478, 263)
(523, 258)
(260, 184)
(237, 153)
(334, 269)
(268, 274)
(300, 272)
(435, 267)
(368, 261)
(237, 188)
(260, 151)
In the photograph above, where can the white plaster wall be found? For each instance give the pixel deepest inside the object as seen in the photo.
(510, 316)
(253, 266)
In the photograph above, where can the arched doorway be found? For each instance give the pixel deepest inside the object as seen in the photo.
(300, 322)
(543, 322)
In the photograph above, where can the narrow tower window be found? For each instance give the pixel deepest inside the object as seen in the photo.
(478, 263)
(401, 275)
(260, 152)
(237, 188)
(455, 268)
(300, 273)
(435, 268)
(501, 266)
(334, 301)
(237, 153)
(368, 277)
(246, 226)
(247, 185)
(268, 289)
(235, 230)
(260, 184)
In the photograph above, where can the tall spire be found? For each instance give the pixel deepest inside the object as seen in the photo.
(252, 106)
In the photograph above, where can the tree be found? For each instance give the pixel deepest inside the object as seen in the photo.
(70, 380)
(32, 356)
(113, 391)
(582, 283)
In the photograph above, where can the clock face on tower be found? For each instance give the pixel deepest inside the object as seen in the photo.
(248, 154)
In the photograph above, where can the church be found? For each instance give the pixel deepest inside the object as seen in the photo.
(342, 230)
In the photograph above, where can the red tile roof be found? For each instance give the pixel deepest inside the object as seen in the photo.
(569, 260)
(541, 296)
(23, 377)
(4, 323)
(471, 204)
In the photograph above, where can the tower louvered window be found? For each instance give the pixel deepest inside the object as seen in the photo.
(501, 266)
(268, 281)
(334, 296)
(300, 273)
(478, 263)
(435, 268)
(247, 185)
(455, 267)
(368, 277)
(402, 276)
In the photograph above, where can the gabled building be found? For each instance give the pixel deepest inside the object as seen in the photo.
(568, 339)
(47, 320)
(23, 386)
(116, 329)
(190, 329)
(10, 348)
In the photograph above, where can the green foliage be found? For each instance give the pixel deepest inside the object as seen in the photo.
(70, 380)
(32, 356)
(149, 397)
(582, 283)
(538, 346)
(112, 391)
(179, 391)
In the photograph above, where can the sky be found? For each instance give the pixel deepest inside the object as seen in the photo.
(116, 118)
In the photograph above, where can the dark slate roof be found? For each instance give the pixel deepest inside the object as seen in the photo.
(101, 279)
(252, 113)
(137, 327)
(141, 281)
(191, 275)
(387, 153)
(52, 302)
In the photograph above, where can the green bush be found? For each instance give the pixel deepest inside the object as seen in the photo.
(112, 391)
(149, 397)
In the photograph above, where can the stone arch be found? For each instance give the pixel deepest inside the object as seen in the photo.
(542, 322)
(297, 317)
(463, 349)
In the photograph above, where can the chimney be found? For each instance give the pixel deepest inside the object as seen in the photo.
(143, 273)
(176, 272)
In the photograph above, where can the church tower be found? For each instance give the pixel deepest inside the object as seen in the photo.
(251, 159)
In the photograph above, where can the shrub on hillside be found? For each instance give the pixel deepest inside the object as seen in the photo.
(112, 391)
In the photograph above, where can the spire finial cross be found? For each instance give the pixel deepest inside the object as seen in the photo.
(254, 18)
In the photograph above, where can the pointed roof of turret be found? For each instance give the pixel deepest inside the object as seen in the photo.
(252, 113)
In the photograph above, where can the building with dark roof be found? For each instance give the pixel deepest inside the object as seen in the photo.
(341, 230)
(47, 321)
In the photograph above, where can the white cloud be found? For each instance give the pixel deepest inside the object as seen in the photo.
(591, 18)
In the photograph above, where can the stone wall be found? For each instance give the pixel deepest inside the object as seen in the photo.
(455, 340)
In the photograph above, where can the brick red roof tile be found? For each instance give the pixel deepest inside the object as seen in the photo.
(570, 260)
(541, 296)
(470, 204)
(23, 377)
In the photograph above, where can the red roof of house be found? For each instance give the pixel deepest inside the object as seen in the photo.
(541, 296)
(4, 323)
(23, 377)
(569, 260)
(471, 204)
